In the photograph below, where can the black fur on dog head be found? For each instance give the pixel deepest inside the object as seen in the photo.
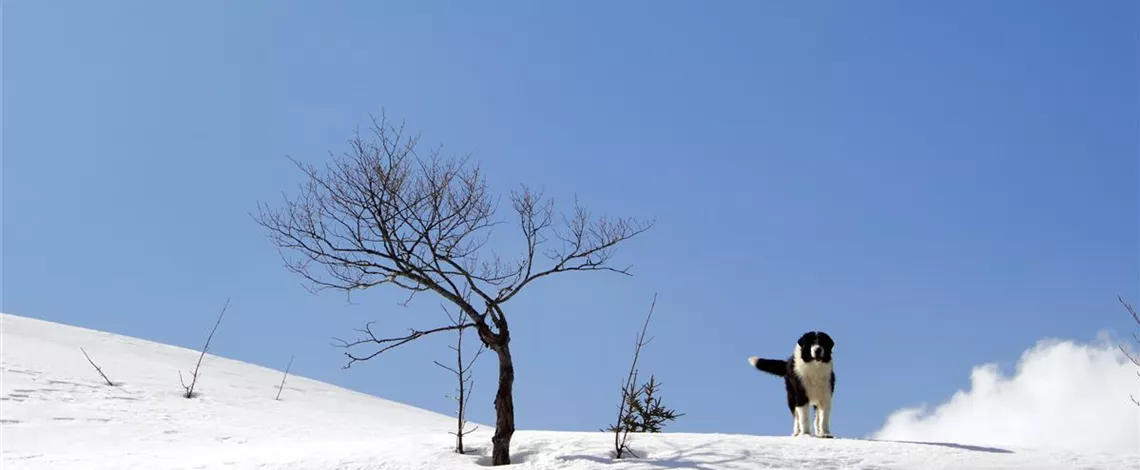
(815, 346)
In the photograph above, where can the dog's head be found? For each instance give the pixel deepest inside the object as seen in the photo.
(815, 346)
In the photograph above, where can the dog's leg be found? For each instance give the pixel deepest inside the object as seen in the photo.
(818, 429)
(823, 420)
(802, 425)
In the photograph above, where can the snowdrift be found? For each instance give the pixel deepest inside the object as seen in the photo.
(57, 413)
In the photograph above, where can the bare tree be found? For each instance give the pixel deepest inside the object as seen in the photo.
(282, 386)
(97, 368)
(462, 373)
(1135, 358)
(194, 376)
(383, 214)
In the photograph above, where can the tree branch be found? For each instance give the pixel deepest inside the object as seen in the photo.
(587, 244)
(1135, 358)
(387, 343)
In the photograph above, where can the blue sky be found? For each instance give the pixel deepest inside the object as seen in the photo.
(937, 185)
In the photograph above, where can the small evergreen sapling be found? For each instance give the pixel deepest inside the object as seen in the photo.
(640, 409)
(643, 410)
(647, 414)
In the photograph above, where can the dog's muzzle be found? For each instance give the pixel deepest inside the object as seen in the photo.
(816, 351)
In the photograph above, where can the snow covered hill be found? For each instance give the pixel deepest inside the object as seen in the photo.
(57, 413)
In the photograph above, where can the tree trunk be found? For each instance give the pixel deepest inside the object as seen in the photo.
(504, 408)
(461, 422)
(461, 417)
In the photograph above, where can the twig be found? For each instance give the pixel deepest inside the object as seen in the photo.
(194, 376)
(109, 382)
(1135, 358)
(282, 386)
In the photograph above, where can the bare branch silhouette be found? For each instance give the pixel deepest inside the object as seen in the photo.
(194, 376)
(1135, 358)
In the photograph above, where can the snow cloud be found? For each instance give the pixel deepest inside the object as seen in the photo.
(1063, 395)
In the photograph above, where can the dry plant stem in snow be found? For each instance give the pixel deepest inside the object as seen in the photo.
(282, 386)
(97, 368)
(463, 376)
(194, 376)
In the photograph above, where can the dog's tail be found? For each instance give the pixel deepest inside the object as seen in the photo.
(771, 366)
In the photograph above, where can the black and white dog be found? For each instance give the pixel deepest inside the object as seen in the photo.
(809, 379)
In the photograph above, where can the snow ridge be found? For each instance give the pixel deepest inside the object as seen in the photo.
(56, 412)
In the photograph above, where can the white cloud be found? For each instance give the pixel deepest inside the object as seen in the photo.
(1063, 395)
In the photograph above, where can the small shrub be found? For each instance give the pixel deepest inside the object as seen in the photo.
(640, 408)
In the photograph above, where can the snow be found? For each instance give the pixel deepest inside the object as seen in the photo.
(57, 413)
(1061, 394)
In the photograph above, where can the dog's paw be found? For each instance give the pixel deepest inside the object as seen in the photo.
(825, 436)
